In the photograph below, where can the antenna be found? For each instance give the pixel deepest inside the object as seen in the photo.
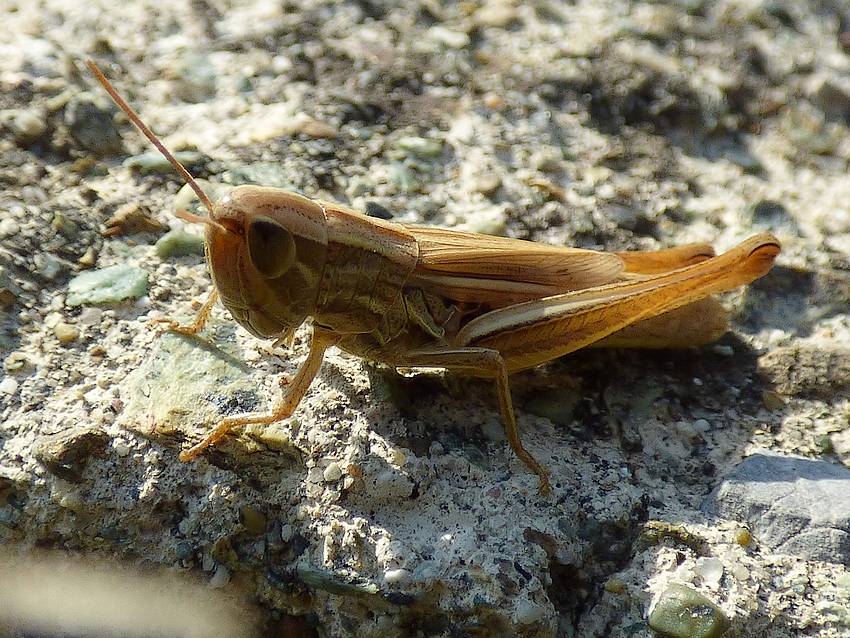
(186, 175)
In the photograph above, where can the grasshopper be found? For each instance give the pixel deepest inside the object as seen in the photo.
(422, 297)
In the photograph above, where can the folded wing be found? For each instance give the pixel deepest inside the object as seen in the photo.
(497, 271)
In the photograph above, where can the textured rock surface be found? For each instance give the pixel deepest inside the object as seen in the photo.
(390, 505)
(792, 505)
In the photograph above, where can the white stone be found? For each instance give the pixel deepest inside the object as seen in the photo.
(220, 578)
(333, 472)
(9, 386)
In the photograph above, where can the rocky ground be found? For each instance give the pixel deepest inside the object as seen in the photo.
(693, 491)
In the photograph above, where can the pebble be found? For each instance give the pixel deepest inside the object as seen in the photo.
(49, 266)
(495, 14)
(795, 505)
(151, 162)
(90, 316)
(253, 520)
(287, 531)
(420, 147)
(710, 570)
(220, 578)
(132, 218)
(333, 472)
(8, 228)
(682, 612)
(91, 126)
(741, 573)
(448, 37)
(489, 221)
(66, 454)
(26, 126)
(528, 613)
(9, 386)
(66, 333)
(107, 285)
(16, 361)
(178, 243)
(403, 178)
(396, 576)
(121, 448)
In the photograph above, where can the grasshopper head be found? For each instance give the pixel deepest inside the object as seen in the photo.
(266, 252)
(265, 246)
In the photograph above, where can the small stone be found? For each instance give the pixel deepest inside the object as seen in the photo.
(333, 472)
(772, 400)
(403, 178)
(823, 444)
(420, 147)
(66, 333)
(26, 126)
(795, 505)
(90, 316)
(489, 221)
(49, 266)
(132, 218)
(8, 386)
(66, 454)
(178, 243)
(331, 582)
(220, 578)
(723, 350)
(398, 457)
(121, 448)
(710, 570)
(396, 576)
(744, 538)
(8, 228)
(528, 613)
(92, 127)
(253, 520)
(16, 361)
(486, 183)
(741, 573)
(682, 612)
(311, 127)
(184, 551)
(495, 14)
(107, 285)
(153, 162)
(89, 258)
(448, 37)
(390, 485)
(821, 371)
(287, 531)
(615, 586)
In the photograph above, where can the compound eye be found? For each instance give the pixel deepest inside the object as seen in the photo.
(271, 247)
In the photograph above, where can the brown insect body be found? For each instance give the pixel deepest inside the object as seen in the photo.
(411, 296)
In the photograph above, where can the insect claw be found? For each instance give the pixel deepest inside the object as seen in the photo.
(285, 340)
(170, 325)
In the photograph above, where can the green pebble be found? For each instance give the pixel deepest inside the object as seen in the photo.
(253, 520)
(403, 178)
(154, 162)
(107, 285)
(420, 147)
(177, 243)
(333, 583)
(823, 444)
(682, 612)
